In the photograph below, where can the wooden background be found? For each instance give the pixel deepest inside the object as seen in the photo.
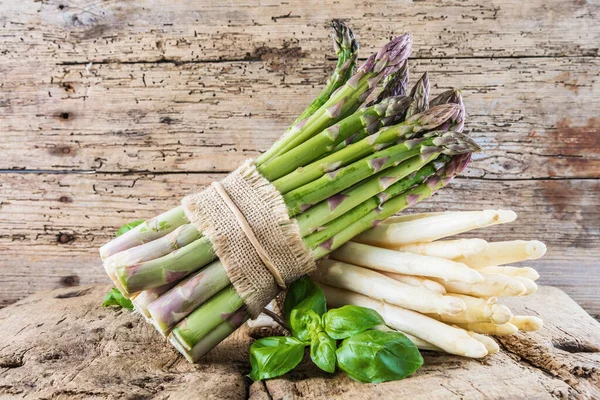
(112, 110)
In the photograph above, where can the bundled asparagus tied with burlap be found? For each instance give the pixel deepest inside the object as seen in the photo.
(345, 165)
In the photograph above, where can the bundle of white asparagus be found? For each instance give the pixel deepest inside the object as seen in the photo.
(443, 294)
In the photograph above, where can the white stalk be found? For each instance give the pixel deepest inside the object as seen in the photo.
(452, 340)
(492, 286)
(527, 323)
(490, 329)
(405, 263)
(448, 249)
(432, 228)
(378, 286)
(417, 281)
(525, 272)
(478, 310)
(500, 253)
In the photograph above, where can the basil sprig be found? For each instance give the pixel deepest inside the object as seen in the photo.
(129, 226)
(115, 298)
(365, 355)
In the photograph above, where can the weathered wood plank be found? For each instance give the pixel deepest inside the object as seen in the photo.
(535, 118)
(70, 347)
(150, 30)
(51, 225)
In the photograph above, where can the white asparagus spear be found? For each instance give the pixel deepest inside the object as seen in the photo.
(420, 343)
(378, 286)
(527, 323)
(493, 286)
(505, 216)
(500, 253)
(432, 228)
(525, 272)
(530, 285)
(448, 249)
(405, 263)
(451, 340)
(478, 310)
(490, 329)
(417, 281)
(410, 217)
(489, 343)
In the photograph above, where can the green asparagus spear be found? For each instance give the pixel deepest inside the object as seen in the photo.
(395, 204)
(428, 120)
(369, 120)
(345, 99)
(207, 317)
(346, 48)
(420, 96)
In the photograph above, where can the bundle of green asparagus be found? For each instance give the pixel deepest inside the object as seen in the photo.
(360, 153)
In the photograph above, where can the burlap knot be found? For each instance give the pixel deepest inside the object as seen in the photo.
(262, 256)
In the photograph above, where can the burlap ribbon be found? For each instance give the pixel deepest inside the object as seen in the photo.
(246, 220)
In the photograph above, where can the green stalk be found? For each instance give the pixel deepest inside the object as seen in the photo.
(207, 317)
(394, 85)
(346, 49)
(180, 237)
(420, 95)
(173, 306)
(428, 120)
(346, 99)
(328, 230)
(395, 205)
(170, 268)
(213, 338)
(301, 199)
(149, 230)
(369, 120)
(314, 219)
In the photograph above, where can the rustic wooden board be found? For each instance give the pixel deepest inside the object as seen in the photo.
(69, 347)
(150, 30)
(531, 116)
(50, 233)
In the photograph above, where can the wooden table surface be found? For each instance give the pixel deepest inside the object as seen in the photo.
(111, 111)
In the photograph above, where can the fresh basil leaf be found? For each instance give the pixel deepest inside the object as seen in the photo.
(305, 324)
(129, 226)
(115, 298)
(322, 352)
(304, 294)
(274, 356)
(343, 322)
(376, 356)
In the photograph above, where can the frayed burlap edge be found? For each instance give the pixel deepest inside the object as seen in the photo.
(266, 213)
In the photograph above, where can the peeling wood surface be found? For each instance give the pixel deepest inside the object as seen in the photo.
(78, 350)
(179, 93)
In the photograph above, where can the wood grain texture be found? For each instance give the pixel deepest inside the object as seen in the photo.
(80, 31)
(78, 350)
(178, 93)
(532, 117)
